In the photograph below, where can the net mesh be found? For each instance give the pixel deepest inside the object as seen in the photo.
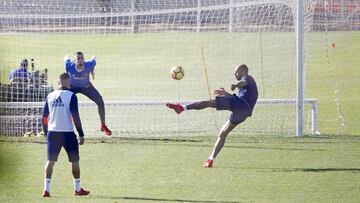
(137, 42)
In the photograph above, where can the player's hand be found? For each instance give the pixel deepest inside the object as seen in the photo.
(81, 140)
(66, 57)
(220, 92)
(93, 58)
(233, 87)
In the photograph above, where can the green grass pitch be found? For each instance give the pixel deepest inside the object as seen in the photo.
(249, 169)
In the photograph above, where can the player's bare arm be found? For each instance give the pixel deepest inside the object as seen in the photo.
(240, 84)
(76, 118)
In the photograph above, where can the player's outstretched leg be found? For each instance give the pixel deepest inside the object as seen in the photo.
(225, 130)
(178, 108)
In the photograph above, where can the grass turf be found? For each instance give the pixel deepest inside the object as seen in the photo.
(249, 169)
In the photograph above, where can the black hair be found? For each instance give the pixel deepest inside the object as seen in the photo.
(79, 53)
(23, 62)
(243, 67)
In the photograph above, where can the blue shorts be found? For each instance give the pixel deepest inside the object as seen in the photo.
(240, 108)
(56, 140)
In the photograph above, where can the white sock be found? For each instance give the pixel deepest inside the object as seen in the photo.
(47, 184)
(77, 184)
(184, 107)
(211, 157)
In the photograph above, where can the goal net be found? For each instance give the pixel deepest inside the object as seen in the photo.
(136, 43)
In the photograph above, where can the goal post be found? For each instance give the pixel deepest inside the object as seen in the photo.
(300, 68)
(137, 42)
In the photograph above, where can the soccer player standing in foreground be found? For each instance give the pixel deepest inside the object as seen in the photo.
(240, 105)
(79, 71)
(60, 109)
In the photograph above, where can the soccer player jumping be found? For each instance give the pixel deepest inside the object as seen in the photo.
(60, 110)
(79, 71)
(240, 105)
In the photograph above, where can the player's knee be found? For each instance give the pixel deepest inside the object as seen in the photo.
(212, 103)
(99, 101)
(75, 167)
(222, 135)
(237, 118)
(49, 166)
(51, 162)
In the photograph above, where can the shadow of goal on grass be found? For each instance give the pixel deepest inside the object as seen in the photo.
(159, 199)
(323, 170)
(275, 148)
(305, 170)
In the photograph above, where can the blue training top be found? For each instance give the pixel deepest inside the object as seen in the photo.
(79, 79)
(249, 92)
(18, 73)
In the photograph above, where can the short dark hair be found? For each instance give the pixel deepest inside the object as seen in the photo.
(243, 67)
(64, 76)
(23, 62)
(79, 53)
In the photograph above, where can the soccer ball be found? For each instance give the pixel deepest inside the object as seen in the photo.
(29, 134)
(40, 134)
(177, 72)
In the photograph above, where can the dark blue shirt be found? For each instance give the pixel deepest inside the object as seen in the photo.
(249, 92)
(20, 72)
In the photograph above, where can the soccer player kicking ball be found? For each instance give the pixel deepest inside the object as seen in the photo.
(240, 105)
(60, 109)
(79, 71)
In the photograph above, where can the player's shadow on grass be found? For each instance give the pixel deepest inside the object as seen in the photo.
(274, 148)
(159, 199)
(323, 170)
(305, 170)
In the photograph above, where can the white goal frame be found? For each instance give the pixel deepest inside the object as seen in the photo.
(300, 68)
(133, 13)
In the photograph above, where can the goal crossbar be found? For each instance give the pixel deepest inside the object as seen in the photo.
(157, 12)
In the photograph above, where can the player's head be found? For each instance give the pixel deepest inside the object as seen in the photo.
(240, 71)
(24, 63)
(79, 58)
(64, 80)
